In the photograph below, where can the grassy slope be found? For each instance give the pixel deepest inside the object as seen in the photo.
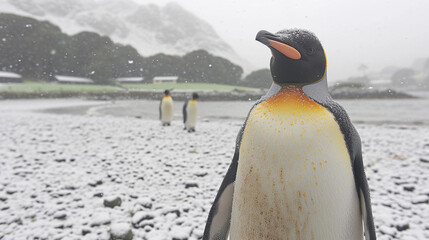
(52, 87)
(38, 87)
(186, 86)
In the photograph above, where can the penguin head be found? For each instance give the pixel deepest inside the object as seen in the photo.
(167, 92)
(195, 96)
(298, 56)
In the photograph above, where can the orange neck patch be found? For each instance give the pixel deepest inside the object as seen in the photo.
(290, 100)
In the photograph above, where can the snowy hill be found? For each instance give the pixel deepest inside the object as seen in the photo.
(149, 28)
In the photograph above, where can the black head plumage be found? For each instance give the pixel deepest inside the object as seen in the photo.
(298, 56)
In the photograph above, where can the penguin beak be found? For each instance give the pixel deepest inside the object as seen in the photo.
(272, 41)
(264, 37)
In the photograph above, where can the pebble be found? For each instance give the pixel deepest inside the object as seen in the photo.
(388, 230)
(60, 215)
(141, 216)
(112, 202)
(145, 202)
(180, 232)
(120, 231)
(100, 218)
(191, 185)
(420, 199)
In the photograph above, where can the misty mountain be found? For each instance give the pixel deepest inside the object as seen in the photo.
(39, 49)
(149, 28)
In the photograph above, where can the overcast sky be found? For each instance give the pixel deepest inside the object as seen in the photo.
(376, 33)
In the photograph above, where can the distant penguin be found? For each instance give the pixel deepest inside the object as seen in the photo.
(297, 171)
(190, 113)
(166, 109)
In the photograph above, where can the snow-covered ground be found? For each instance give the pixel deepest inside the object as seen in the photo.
(57, 172)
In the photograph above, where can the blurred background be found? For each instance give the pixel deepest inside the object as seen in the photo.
(125, 45)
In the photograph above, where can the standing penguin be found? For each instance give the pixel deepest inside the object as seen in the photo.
(190, 113)
(297, 171)
(166, 109)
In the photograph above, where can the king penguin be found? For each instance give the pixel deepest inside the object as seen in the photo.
(190, 113)
(166, 109)
(297, 171)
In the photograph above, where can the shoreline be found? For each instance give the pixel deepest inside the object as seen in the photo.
(211, 95)
(365, 111)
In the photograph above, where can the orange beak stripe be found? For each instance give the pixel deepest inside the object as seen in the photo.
(287, 50)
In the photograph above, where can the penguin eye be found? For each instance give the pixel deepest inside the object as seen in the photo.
(310, 51)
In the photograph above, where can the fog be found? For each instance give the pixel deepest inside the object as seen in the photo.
(374, 33)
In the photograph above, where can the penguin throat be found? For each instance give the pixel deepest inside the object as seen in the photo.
(291, 89)
(291, 97)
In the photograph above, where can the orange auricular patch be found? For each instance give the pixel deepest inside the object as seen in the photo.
(287, 50)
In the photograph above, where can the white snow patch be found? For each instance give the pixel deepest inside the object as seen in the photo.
(100, 218)
(179, 232)
(120, 229)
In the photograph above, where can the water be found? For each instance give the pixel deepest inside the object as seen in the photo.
(372, 111)
(401, 111)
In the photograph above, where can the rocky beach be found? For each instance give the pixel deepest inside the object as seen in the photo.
(95, 176)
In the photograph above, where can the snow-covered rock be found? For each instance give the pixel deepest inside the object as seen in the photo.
(145, 203)
(100, 218)
(141, 216)
(60, 215)
(180, 233)
(121, 231)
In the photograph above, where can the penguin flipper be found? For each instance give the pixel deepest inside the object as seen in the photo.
(184, 111)
(219, 219)
(160, 111)
(364, 198)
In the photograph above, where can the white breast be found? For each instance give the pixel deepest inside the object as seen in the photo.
(294, 178)
(167, 110)
(191, 116)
